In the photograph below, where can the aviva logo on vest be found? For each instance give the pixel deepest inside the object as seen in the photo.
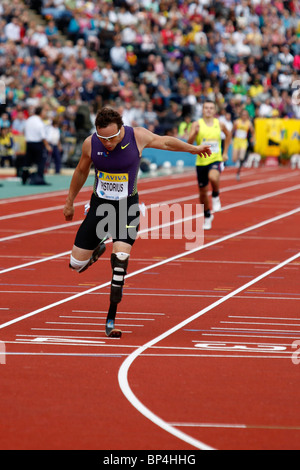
(116, 177)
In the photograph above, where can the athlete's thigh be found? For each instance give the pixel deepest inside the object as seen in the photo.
(215, 171)
(202, 176)
(80, 254)
(87, 237)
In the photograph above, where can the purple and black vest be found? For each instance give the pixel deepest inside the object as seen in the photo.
(116, 171)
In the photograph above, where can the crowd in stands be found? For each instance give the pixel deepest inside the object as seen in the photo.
(155, 61)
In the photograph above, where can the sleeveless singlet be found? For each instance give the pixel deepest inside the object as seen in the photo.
(116, 171)
(210, 135)
(242, 129)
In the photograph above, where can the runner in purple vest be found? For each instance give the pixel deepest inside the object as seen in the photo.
(115, 150)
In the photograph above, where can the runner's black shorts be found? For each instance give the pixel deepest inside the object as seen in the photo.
(203, 171)
(118, 219)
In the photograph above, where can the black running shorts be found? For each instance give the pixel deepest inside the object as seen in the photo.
(118, 219)
(203, 172)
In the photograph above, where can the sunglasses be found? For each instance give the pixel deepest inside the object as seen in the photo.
(108, 138)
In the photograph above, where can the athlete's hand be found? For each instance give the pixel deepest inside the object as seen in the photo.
(69, 211)
(203, 150)
(225, 157)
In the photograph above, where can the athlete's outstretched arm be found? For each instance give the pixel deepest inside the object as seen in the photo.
(146, 139)
(79, 178)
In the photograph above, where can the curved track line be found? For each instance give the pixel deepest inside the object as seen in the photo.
(123, 371)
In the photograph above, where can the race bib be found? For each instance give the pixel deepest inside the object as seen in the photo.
(112, 185)
(214, 145)
(241, 134)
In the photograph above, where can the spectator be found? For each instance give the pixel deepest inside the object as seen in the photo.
(6, 146)
(51, 30)
(54, 140)
(218, 41)
(36, 146)
(285, 58)
(256, 90)
(184, 127)
(18, 124)
(118, 56)
(151, 117)
(5, 121)
(12, 30)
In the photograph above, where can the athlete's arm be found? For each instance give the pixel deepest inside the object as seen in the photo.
(79, 178)
(233, 131)
(195, 127)
(146, 139)
(252, 130)
(227, 141)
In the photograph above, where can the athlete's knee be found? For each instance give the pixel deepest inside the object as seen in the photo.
(76, 264)
(203, 190)
(214, 177)
(119, 263)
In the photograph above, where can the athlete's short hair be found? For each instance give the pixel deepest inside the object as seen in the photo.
(207, 100)
(107, 116)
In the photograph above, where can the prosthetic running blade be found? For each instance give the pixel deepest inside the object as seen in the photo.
(111, 331)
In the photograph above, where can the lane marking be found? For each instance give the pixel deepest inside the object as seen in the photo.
(259, 323)
(124, 369)
(236, 426)
(182, 199)
(228, 207)
(155, 265)
(253, 335)
(205, 296)
(89, 187)
(264, 318)
(122, 313)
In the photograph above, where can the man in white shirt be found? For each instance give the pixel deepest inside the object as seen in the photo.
(118, 56)
(36, 146)
(12, 30)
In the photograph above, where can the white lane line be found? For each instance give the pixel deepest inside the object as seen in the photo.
(160, 179)
(205, 296)
(104, 318)
(235, 187)
(119, 313)
(258, 330)
(225, 189)
(89, 187)
(145, 191)
(77, 331)
(259, 323)
(155, 265)
(40, 230)
(237, 335)
(34, 197)
(264, 318)
(32, 263)
(235, 426)
(228, 207)
(124, 369)
(85, 323)
(38, 211)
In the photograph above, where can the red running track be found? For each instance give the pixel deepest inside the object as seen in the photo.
(209, 353)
